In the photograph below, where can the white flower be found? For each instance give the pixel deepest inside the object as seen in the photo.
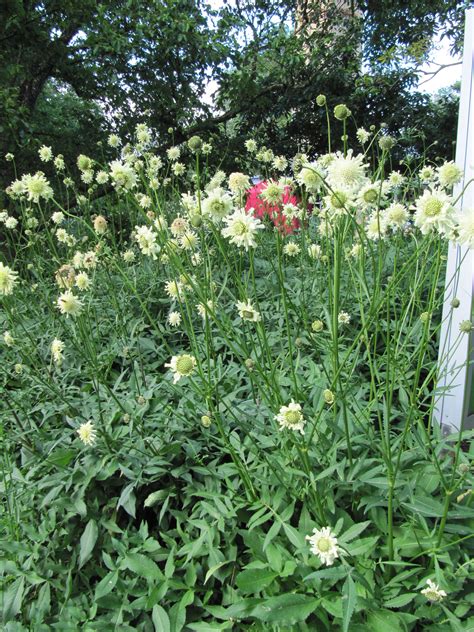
(100, 224)
(87, 433)
(57, 348)
(433, 592)
(311, 176)
(128, 256)
(273, 192)
(69, 304)
(174, 319)
(11, 223)
(181, 366)
(324, 545)
(465, 227)
(179, 226)
(238, 182)
(250, 146)
(8, 279)
(248, 312)
(343, 318)
(291, 417)
(57, 218)
(426, 174)
(173, 153)
(217, 204)
(449, 174)
(395, 179)
(8, 339)
(122, 175)
(434, 212)
(101, 177)
(174, 288)
(291, 249)
(178, 168)
(189, 241)
(146, 240)
(347, 173)
(89, 259)
(114, 140)
(37, 187)
(362, 135)
(395, 216)
(83, 281)
(45, 153)
(241, 229)
(375, 228)
(280, 163)
(314, 251)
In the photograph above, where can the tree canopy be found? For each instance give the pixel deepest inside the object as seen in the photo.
(72, 71)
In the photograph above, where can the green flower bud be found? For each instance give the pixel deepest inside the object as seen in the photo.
(317, 325)
(206, 421)
(387, 142)
(195, 220)
(341, 112)
(455, 302)
(466, 326)
(328, 396)
(195, 143)
(321, 100)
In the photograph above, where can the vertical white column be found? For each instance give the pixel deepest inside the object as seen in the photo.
(454, 404)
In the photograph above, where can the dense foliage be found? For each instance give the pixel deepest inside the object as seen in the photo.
(191, 391)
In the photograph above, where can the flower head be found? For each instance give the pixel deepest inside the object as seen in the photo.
(433, 592)
(174, 319)
(8, 279)
(87, 433)
(434, 212)
(347, 172)
(69, 304)
(181, 366)
(449, 174)
(291, 417)
(241, 229)
(217, 204)
(57, 348)
(324, 545)
(248, 312)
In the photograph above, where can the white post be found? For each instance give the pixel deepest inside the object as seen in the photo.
(454, 407)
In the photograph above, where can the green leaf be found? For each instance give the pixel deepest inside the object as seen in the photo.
(354, 531)
(160, 619)
(215, 568)
(338, 572)
(12, 599)
(362, 546)
(349, 598)
(106, 584)
(155, 497)
(400, 601)
(143, 566)
(384, 620)
(87, 543)
(128, 500)
(254, 580)
(289, 608)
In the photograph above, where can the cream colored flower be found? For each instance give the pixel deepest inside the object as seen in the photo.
(57, 348)
(291, 417)
(87, 433)
(248, 312)
(181, 366)
(8, 279)
(69, 304)
(324, 545)
(291, 249)
(241, 229)
(433, 592)
(174, 319)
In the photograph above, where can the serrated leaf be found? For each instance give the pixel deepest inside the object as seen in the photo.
(354, 531)
(400, 601)
(87, 542)
(348, 602)
(12, 599)
(143, 566)
(254, 580)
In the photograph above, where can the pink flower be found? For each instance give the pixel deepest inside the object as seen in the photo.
(261, 208)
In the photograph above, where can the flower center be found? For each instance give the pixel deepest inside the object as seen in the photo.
(293, 417)
(240, 228)
(324, 544)
(184, 365)
(248, 315)
(433, 207)
(370, 196)
(338, 200)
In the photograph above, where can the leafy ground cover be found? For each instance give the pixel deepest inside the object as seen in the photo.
(222, 419)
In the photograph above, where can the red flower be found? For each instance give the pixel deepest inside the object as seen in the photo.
(261, 208)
